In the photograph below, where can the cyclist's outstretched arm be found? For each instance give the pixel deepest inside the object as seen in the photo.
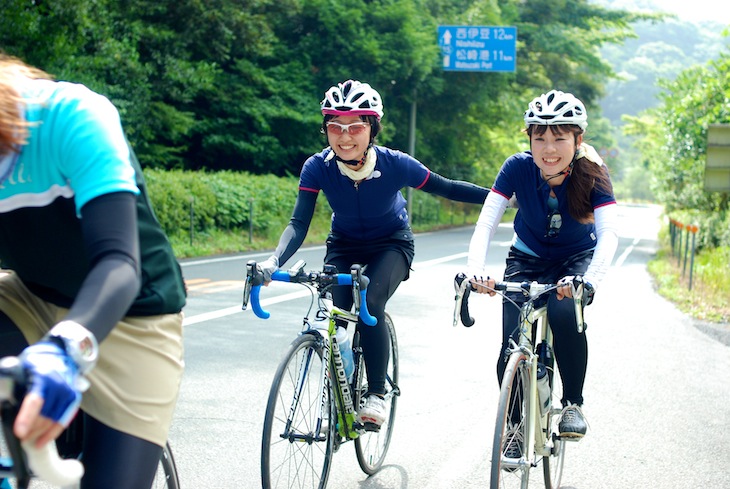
(293, 235)
(607, 218)
(59, 361)
(491, 213)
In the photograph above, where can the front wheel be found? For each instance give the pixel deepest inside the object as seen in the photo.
(372, 446)
(299, 431)
(509, 467)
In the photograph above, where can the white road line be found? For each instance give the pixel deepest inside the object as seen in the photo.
(199, 318)
(207, 316)
(626, 253)
(438, 261)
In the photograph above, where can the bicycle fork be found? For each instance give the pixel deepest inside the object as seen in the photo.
(533, 444)
(316, 434)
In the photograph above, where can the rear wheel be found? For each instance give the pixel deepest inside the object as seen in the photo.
(372, 446)
(298, 436)
(166, 476)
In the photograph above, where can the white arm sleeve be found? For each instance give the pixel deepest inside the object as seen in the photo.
(607, 236)
(492, 212)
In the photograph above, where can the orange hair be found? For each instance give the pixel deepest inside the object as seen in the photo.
(13, 128)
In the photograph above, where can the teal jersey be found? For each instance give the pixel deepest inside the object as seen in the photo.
(76, 151)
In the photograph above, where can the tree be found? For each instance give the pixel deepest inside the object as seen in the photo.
(675, 144)
(236, 84)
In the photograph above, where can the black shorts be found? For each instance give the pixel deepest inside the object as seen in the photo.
(362, 252)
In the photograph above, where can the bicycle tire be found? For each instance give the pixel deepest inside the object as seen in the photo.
(511, 472)
(372, 446)
(295, 451)
(166, 476)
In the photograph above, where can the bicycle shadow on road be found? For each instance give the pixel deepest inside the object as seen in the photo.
(388, 477)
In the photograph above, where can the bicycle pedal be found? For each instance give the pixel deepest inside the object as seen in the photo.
(337, 442)
(371, 427)
(572, 438)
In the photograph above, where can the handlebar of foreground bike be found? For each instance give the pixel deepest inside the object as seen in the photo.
(319, 279)
(43, 462)
(532, 290)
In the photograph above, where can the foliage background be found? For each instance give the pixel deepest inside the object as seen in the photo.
(220, 98)
(236, 84)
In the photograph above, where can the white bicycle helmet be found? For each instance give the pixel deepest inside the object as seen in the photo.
(352, 98)
(555, 108)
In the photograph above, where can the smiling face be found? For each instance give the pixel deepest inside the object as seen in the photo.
(553, 149)
(348, 146)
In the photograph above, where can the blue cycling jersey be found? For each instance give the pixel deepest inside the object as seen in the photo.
(76, 152)
(374, 208)
(521, 177)
(70, 153)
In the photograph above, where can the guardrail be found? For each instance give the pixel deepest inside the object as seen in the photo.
(680, 247)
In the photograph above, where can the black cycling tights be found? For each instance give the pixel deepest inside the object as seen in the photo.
(386, 271)
(571, 347)
(116, 459)
(111, 458)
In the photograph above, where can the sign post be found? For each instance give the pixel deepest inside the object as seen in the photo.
(478, 48)
(717, 166)
(470, 48)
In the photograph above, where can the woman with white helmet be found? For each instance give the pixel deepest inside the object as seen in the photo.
(370, 226)
(565, 227)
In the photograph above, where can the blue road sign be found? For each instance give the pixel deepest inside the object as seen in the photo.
(478, 48)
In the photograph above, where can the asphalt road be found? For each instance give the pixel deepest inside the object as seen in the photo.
(656, 393)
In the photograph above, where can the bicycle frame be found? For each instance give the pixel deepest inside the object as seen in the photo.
(343, 393)
(533, 325)
(534, 439)
(326, 311)
(312, 404)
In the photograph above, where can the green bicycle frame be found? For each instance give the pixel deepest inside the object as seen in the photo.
(343, 392)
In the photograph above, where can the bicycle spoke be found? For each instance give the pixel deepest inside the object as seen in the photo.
(295, 454)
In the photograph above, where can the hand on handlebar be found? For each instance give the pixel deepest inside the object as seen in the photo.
(565, 287)
(268, 267)
(54, 393)
(570, 284)
(483, 285)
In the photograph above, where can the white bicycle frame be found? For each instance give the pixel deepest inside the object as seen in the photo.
(538, 318)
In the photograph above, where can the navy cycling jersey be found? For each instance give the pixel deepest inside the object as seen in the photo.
(520, 176)
(374, 208)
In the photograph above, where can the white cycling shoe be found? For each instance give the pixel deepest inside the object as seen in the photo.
(374, 410)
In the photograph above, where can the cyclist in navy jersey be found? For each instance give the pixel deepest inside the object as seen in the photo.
(565, 226)
(362, 182)
(90, 292)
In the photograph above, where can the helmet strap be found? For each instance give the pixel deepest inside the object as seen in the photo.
(565, 171)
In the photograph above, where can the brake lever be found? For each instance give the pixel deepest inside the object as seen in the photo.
(253, 278)
(463, 288)
(577, 286)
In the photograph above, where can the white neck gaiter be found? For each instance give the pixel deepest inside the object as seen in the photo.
(362, 173)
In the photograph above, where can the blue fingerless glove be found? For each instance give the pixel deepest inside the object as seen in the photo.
(54, 377)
